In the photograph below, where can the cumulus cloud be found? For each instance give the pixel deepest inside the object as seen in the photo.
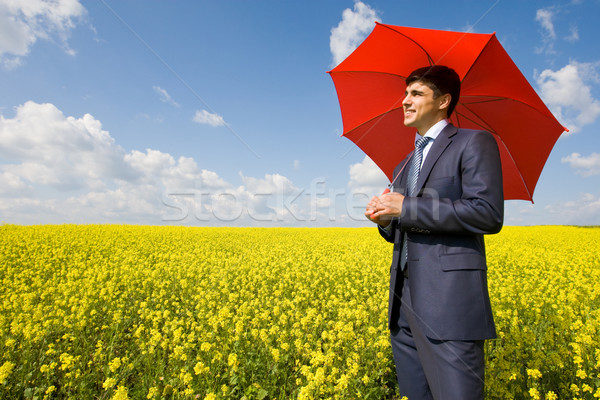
(586, 166)
(63, 152)
(23, 22)
(165, 97)
(63, 169)
(568, 95)
(205, 117)
(76, 170)
(367, 178)
(355, 25)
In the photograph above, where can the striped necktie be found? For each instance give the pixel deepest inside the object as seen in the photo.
(413, 176)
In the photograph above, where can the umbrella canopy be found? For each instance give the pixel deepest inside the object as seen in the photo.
(495, 96)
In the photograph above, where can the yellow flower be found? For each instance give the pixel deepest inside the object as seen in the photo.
(534, 373)
(534, 393)
(121, 394)
(114, 364)
(66, 361)
(199, 368)
(108, 383)
(581, 374)
(185, 377)
(152, 392)
(275, 354)
(232, 361)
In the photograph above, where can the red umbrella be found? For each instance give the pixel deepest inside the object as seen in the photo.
(495, 96)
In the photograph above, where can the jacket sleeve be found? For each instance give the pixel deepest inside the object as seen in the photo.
(389, 232)
(480, 207)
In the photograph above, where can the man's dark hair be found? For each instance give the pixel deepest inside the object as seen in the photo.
(441, 80)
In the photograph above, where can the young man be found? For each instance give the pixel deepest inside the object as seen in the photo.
(439, 307)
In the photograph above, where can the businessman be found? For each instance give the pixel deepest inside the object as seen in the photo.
(446, 195)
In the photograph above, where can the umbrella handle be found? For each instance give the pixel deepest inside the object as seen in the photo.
(391, 185)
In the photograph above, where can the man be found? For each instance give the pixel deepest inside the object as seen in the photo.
(439, 308)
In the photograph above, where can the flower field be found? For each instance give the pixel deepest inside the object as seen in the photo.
(118, 311)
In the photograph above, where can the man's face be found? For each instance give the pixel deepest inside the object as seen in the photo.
(421, 109)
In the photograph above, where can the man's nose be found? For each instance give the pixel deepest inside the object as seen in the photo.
(406, 100)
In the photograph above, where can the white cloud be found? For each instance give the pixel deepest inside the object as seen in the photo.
(580, 211)
(71, 170)
(586, 166)
(544, 16)
(64, 152)
(64, 169)
(367, 178)
(272, 183)
(568, 96)
(23, 22)
(12, 184)
(205, 117)
(165, 97)
(351, 31)
(573, 34)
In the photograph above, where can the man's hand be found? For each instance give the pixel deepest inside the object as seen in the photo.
(381, 209)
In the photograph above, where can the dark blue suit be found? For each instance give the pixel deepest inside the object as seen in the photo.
(459, 200)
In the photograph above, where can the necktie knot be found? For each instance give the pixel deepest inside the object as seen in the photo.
(422, 142)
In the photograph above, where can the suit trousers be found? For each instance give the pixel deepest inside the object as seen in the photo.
(429, 369)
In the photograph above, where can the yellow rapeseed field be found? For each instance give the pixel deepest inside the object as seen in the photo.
(118, 312)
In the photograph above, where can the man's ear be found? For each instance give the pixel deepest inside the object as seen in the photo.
(445, 101)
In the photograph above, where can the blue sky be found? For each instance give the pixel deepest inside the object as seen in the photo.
(222, 113)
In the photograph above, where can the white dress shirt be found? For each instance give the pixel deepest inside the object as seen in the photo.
(433, 133)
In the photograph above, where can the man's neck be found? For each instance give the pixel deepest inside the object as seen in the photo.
(423, 132)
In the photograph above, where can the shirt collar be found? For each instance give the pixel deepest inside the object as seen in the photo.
(435, 130)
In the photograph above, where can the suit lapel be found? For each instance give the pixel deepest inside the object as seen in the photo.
(437, 148)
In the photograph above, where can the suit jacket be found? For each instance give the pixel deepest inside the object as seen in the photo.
(459, 199)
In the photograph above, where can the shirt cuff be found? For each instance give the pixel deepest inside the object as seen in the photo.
(387, 229)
